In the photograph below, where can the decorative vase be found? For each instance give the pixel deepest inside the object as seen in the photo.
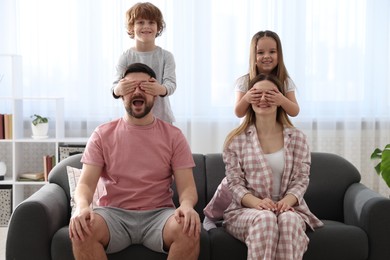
(40, 130)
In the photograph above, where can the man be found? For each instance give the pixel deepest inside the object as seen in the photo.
(136, 159)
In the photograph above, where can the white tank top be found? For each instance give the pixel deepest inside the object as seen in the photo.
(276, 162)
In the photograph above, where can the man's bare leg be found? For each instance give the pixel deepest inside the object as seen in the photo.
(181, 245)
(93, 246)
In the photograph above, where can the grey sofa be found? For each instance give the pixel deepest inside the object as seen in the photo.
(357, 220)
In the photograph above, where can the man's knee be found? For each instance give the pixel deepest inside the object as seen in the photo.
(99, 235)
(173, 232)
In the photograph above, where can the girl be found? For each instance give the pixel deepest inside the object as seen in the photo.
(266, 56)
(144, 23)
(267, 169)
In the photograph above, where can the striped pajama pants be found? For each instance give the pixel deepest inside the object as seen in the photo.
(269, 236)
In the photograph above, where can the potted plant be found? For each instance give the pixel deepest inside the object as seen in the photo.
(39, 126)
(383, 167)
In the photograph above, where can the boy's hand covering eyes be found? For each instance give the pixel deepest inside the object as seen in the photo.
(129, 86)
(152, 87)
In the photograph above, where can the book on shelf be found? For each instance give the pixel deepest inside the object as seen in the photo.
(7, 126)
(48, 164)
(31, 176)
(2, 126)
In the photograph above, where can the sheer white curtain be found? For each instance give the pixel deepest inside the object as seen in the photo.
(337, 52)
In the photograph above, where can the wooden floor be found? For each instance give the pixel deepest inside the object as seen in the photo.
(3, 237)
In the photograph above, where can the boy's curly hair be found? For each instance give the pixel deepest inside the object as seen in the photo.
(144, 11)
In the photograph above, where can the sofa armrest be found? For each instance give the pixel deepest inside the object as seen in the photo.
(34, 222)
(371, 211)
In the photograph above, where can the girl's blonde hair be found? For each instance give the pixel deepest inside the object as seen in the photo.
(250, 117)
(144, 11)
(280, 70)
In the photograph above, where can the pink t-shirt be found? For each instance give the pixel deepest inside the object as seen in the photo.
(138, 163)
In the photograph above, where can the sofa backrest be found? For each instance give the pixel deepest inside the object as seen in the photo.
(330, 177)
(215, 172)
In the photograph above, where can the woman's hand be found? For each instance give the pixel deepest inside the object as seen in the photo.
(266, 204)
(286, 204)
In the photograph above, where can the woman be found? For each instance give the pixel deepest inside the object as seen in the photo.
(267, 168)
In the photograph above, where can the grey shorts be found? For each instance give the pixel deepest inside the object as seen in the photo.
(128, 227)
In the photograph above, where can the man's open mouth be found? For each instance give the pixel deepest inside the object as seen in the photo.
(138, 102)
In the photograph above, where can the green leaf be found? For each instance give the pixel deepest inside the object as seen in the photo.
(385, 166)
(377, 154)
(378, 168)
(386, 178)
(39, 119)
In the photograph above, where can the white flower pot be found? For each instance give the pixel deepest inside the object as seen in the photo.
(40, 130)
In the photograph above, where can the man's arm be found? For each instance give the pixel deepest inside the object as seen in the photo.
(188, 198)
(87, 185)
(186, 187)
(83, 218)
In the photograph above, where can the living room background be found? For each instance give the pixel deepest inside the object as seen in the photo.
(337, 53)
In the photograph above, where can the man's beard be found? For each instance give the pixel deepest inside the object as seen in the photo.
(130, 112)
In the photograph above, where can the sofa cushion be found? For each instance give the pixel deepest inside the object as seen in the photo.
(60, 176)
(219, 202)
(332, 241)
(73, 178)
(225, 246)
(337, 241)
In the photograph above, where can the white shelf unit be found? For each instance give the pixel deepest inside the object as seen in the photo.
(22, 153)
